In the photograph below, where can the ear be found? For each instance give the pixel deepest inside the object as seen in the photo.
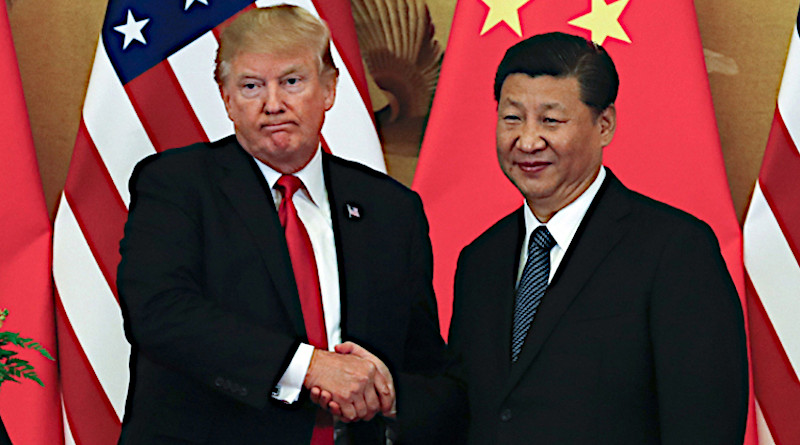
(329, 82)
(226, 99)
(607, 120)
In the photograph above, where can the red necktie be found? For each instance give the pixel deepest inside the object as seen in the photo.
(306, 276)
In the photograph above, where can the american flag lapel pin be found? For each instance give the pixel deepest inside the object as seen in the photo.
(353, 211)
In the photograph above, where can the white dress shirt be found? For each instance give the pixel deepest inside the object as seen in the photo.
(314, 211)
(562, 225)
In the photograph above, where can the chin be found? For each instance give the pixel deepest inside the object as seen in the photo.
(536, 193)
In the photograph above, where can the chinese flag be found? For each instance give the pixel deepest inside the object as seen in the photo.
(30, 413)
(666, 144)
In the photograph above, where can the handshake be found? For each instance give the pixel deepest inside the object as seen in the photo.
(351, 383)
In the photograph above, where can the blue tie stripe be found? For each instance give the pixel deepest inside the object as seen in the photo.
(531, 287)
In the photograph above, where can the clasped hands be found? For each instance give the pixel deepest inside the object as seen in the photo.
(351, 383)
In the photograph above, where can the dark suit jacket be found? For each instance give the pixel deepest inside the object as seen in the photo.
(4, 439)
(639, 338)
(211, 306)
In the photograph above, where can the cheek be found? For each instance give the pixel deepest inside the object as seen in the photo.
(504, 159)
(502, 153)
(504, 141)
(235, 107)
(314, 114)
(232, 114)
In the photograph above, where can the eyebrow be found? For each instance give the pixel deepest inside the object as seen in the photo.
(290, 70)
(543, 107)
(511, 102)
(552, 106)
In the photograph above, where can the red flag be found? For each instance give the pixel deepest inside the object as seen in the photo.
(31, 414)
(152, 89)
(666, 144)
(771, 253)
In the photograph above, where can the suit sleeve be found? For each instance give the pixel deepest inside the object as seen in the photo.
(424, 351)
(699, 345)
(431, 405)
(169, 318)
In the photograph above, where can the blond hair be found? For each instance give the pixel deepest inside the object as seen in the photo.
(281, 29)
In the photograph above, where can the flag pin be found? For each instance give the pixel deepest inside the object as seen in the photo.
(353, 211)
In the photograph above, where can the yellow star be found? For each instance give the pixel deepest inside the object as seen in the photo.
(603, 21)
(503, 11)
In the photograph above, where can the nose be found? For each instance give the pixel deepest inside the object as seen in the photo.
(531, 138)
(273, 100)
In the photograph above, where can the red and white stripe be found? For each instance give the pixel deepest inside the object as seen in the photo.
(173, 104)
(771, 253)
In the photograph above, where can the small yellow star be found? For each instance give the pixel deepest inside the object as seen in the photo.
(603, 21)
(503, 11)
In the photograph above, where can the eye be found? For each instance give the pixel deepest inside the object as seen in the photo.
(550, 120)
(511, 117)
(250, 89)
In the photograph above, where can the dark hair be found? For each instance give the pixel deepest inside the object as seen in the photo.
(562, 55)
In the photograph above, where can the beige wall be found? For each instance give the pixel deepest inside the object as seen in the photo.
(55, 42)
(746, 42)
(753, 36)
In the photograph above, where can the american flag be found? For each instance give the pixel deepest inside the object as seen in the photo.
(771, 253)
(152, 89)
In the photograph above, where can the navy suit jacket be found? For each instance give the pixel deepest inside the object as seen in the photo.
(639, 338)
(211, 307)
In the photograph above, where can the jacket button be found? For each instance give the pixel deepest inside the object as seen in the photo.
(505, 415)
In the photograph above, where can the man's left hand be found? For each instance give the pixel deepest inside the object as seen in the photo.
(384, 383)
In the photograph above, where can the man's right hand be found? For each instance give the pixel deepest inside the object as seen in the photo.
(350, 381)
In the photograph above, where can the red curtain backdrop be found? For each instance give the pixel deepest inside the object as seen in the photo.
(30, 413)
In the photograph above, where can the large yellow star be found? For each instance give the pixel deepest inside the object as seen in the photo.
(603, 21)
(503, 11)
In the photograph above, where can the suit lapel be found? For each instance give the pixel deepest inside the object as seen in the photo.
(597, 235)
(248, 193)
(501, 260)
(341, 193)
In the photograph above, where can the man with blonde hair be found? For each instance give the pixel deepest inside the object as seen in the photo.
(247, 262)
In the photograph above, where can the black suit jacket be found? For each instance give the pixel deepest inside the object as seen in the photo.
(4, 439)
(639, 338)
(211, 307)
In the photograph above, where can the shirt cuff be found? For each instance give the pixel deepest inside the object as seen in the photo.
(291, 383)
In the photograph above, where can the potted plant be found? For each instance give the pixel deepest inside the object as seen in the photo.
(11, 366)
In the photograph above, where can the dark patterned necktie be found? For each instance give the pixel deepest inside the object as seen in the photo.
(531, 287)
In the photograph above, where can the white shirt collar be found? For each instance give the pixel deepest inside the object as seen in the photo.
(311, 175)
(564, 223)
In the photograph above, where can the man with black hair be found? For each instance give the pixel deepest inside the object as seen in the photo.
(592, 314)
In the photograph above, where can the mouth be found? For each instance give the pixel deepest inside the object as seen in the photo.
(277, 126)
(532, 166)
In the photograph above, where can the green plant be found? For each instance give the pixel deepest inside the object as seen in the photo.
(10, 365)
